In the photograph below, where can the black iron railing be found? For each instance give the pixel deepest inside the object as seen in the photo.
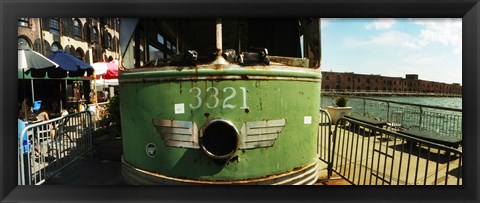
(440, 120)
(367, 155)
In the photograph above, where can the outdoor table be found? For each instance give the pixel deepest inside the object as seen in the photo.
(369, 121)
(449, 141)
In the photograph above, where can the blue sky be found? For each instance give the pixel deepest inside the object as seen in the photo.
(431, 48)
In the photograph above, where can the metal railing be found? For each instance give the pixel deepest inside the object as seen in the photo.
(325, 139)
(367, 155)
(440, 120)
(53, 145)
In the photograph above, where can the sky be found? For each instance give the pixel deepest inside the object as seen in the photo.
(431, 48)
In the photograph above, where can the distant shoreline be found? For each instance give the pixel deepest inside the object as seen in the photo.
(389, 94)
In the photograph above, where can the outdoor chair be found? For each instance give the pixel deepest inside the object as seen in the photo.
(395, 123)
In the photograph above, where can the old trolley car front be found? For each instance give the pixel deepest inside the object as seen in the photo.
(224, 117)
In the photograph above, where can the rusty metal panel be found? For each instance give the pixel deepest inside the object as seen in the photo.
(290, 61)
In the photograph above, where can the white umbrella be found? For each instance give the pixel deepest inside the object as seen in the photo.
(33, 61)
(106, 82)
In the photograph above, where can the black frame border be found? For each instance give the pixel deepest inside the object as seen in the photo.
(468, 10)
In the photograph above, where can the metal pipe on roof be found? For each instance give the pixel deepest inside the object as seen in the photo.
(219, 36)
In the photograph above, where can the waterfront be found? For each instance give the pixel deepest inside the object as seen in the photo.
(442, 115)
(449, 102)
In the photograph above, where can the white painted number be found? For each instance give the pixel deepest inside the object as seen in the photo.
(199, 103)
(213, 92)
(215, 96)
(225, 105)
(244, 90)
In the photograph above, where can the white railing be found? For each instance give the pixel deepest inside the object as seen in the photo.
(52, 146)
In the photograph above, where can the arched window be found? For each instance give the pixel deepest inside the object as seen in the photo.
(77, 29)
(55, 25)
(23, 43)
(55, 47)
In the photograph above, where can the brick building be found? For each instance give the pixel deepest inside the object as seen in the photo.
(89, 39)
(352, 82)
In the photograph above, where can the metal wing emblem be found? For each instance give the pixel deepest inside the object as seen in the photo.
(257, 134)
(178, 133)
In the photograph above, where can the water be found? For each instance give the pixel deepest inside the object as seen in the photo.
(448, 102)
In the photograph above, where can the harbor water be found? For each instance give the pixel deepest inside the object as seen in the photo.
(449, 102)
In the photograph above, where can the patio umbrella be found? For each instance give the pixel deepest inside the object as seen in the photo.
(106, 73)
(35, 64)
(68, 63)
(107, 70)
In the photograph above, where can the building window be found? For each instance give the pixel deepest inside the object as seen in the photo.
(23, 43)
(95, 35)
(108, 41)
(55, 25)
(55, 47)
(77, 29)
(326, 77)
(160, 39)
(24, 22)
(154, 53)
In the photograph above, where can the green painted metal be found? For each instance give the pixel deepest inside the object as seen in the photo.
(21, 75)
(276, 93)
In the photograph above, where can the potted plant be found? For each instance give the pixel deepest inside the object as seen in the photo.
(340, 109)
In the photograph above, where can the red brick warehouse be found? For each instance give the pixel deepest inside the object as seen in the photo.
(351, 82)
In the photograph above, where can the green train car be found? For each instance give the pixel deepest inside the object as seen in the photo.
(196, 109)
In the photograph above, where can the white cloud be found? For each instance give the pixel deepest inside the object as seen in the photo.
(447, 32)
(381, 24)
(390, 39)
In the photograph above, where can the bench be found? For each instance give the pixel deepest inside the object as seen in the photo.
(369, 121)
(449, 141)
